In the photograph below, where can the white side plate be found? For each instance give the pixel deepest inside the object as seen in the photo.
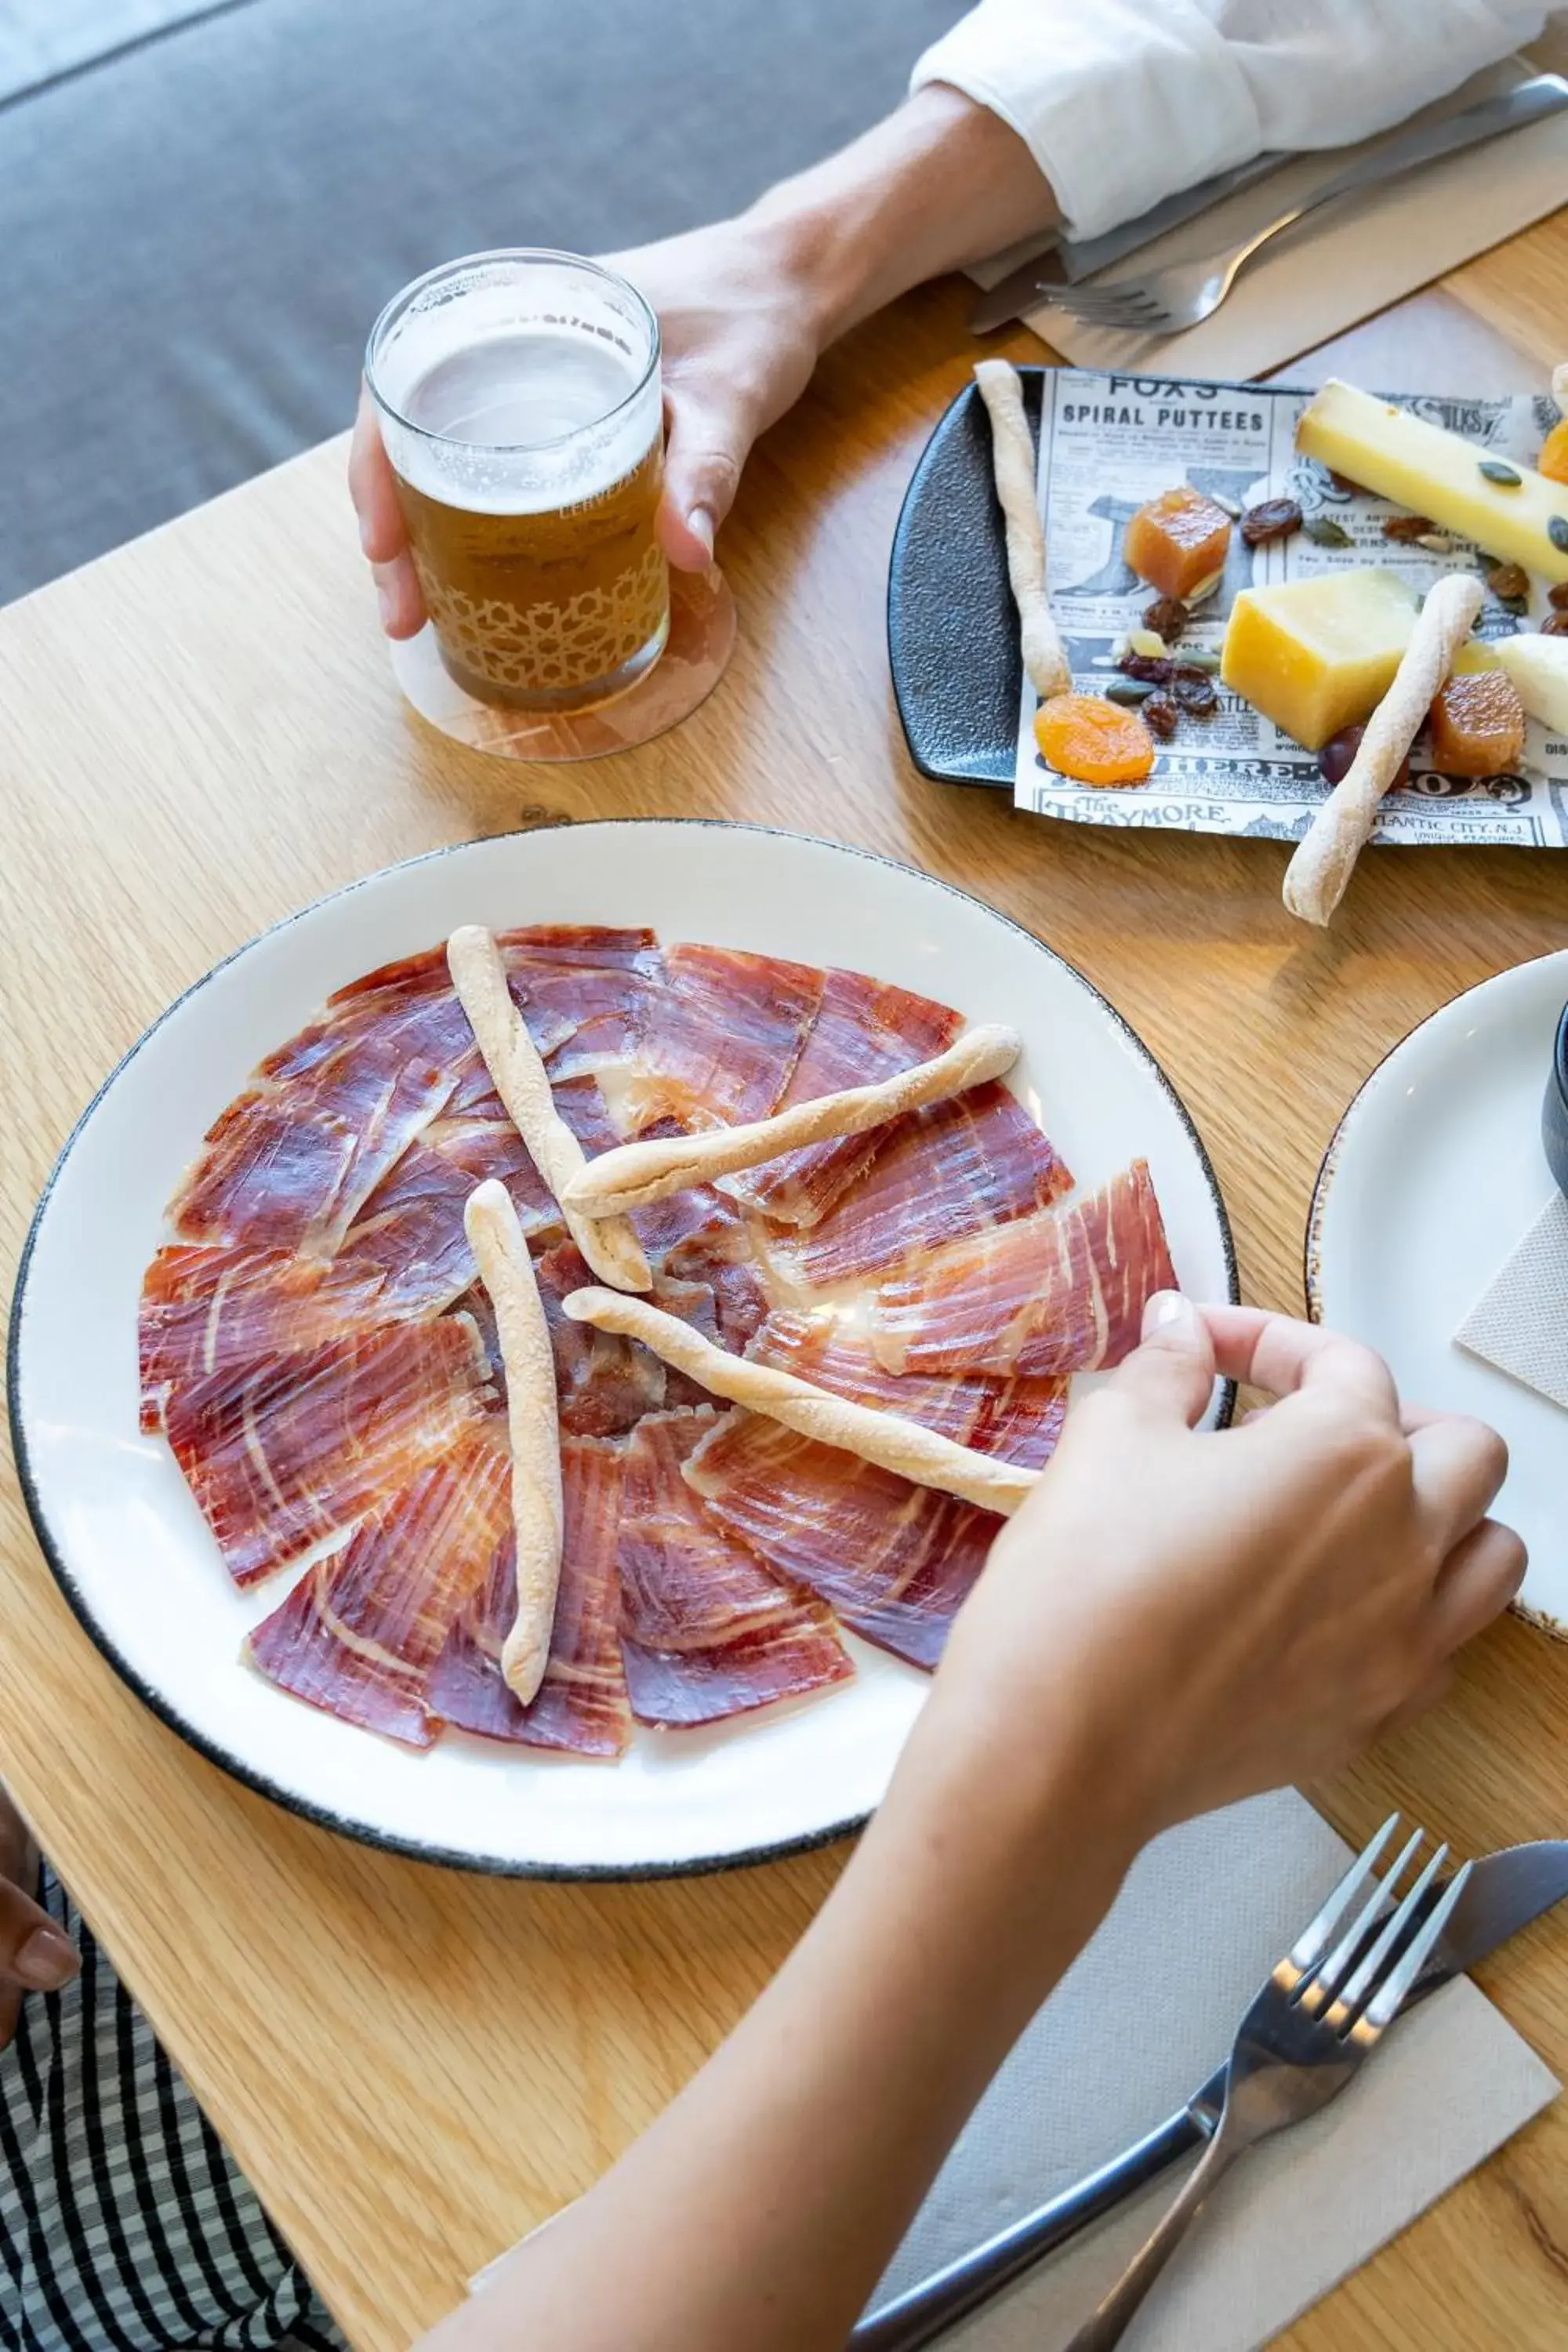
(1434, 1177)
(125, 1537)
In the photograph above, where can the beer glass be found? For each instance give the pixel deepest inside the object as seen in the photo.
(518, 400)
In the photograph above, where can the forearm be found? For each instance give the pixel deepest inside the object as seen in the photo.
(763, 2205)
(938, 185)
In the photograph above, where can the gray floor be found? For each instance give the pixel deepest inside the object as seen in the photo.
(195, 233)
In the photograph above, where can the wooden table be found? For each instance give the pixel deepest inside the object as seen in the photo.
(200, 732)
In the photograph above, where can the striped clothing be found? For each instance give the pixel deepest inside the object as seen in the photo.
(125, 2225)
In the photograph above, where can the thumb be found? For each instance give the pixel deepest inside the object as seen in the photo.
(707, 442)
(1172, 1369)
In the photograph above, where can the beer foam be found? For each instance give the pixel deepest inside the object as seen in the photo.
(517, 400)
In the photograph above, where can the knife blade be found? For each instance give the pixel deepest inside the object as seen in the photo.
(1072, 258)
(1506, 1891)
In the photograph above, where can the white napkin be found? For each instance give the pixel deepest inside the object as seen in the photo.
(1374, 248)
(1146, 2013)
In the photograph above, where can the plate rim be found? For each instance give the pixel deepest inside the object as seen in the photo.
(325, 1817)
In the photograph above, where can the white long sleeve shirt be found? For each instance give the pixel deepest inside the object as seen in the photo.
(1123, 101)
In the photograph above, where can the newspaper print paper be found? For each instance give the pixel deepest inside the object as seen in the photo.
(1109, 442)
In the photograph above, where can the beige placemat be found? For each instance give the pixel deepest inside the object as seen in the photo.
(1141, 2019)
(1373, 250)
(1522, 1323)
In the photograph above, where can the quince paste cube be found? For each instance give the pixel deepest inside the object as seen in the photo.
(1319, 654)
(1477, 725)
(1178, 540)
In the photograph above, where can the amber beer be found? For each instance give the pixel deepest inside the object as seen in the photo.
(519, 397)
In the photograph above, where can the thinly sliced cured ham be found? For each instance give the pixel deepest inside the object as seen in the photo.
(864, 1032)
(697, 1236)
(895, 1561)
(284, 1455)
(959, 1167)
(604, 1383)
(1062, 1292)
(360, 1632)
(410, 1232)
(722, 1036)
(1015, 1420)
(705, 1631)
(290, 1165)
(206, 1310)
(583, 991)
(581, 1702)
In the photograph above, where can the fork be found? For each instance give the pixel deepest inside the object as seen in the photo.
(1326, 2005)
(1170, 300)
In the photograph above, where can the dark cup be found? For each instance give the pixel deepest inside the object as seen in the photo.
(1554, 1109)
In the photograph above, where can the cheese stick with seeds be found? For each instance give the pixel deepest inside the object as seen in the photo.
(520, 1077)
(506, 1270)
(636, 1173)
(919, 1454)
(1013, 469)
(1320, 869)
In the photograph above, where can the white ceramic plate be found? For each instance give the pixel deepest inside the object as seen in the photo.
(1434, 1177)
(123, 1534)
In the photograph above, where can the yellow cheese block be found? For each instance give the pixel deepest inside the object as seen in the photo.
(1318, 654)
(1435, 473)
(1539, 668)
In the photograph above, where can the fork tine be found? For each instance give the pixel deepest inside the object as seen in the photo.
(1350, 2003)
(1389, 1998)
(1315, 1938)
(1096, 303)
(1320, 1988)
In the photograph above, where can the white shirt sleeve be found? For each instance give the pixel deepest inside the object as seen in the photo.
(1123, 101)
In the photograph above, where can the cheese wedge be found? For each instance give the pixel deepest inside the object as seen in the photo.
(1318, 654)
(1437, 473)
(1539, 668)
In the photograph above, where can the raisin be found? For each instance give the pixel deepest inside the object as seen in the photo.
(1274, 519)
(1167, 617)
(1509, 580)
(1335, 758)
(1555, 624)
(1558, 597)
(1149, 667)
(1407, 527)
(1194, 692)
(1159, 715)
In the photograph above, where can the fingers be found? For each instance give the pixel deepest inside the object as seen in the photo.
(1460, 1465)
(33, 1953)
(706, 443)
(380, 527)
(1278, 1353)
(1173, 1368)
(1479, 1577)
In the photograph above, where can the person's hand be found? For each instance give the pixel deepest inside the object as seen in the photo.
(34, 1955)
(1231, 1611)
(741, 326)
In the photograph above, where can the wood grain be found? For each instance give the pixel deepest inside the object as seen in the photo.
(200, 732)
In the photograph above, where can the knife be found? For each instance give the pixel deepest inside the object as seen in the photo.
(1505, 1892)
(1072, 258)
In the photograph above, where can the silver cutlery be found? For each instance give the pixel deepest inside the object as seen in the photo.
(1503, 1892)
(1066, 261)
(1180, 296)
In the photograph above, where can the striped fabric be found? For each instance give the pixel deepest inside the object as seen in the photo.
(125, 2225)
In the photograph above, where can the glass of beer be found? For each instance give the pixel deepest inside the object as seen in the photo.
(520, 404)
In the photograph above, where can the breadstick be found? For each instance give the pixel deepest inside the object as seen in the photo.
(506, 1270)
(884, 1438)
(518, 1077)
(1316, 876)
(636, 1173)
(1013, 469)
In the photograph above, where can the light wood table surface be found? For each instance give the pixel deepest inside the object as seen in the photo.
(200, 732)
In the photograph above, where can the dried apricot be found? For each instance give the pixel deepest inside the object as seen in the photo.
(1554, 459)
(1090, 740)
(1177, 539)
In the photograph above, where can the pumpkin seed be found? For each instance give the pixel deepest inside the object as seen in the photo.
(1129, 691)
(1557, 532)
(1435, 540)
(1194, 658)
(1496, 471)
(1205, 587)
(1329, 533)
